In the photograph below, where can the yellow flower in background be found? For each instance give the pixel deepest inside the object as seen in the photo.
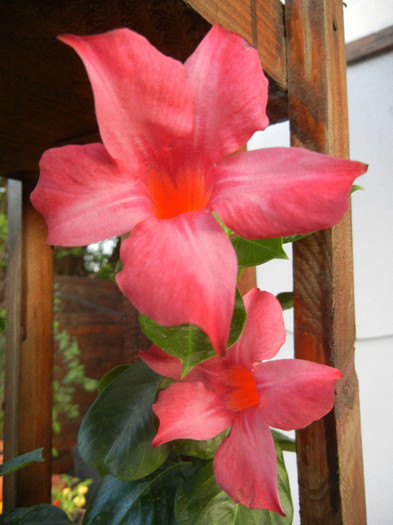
(83, 489)
(79, 501)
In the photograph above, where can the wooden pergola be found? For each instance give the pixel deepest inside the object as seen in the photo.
(47, 102)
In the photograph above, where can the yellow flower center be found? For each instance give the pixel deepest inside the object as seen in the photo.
(186, 193)
(242, 391)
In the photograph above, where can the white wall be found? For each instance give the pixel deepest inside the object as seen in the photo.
(363, 17)
(370, 102)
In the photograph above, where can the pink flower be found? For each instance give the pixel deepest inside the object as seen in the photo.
(164, 166)
(240, 392)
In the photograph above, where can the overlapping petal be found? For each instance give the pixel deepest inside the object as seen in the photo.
(142, 98)
(189, 411)
(230, 94)
(162, 363)
(294, 393)
(182, 270)
(86, 196)
(245, 464)
(209, 372)
(282, 191)
(264, 331)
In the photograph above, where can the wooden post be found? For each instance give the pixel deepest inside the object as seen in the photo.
(329, 451)
(28, 386)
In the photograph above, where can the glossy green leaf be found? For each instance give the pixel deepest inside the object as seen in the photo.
(200, 449)
(285, 299)
(21, 461)
(201, 501)
(35, 515)
(257, 251)
(116, 433)
(188, 342)
(148, 501)
(238, 319)
(110, 376)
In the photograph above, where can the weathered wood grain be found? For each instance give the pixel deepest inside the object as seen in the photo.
(329, 451)
(31, 333)
(370, 46)
(261, 23)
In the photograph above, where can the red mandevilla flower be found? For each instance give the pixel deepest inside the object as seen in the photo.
(164, 166)
(241, 392)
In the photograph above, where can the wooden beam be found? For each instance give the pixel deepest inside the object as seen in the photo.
(261, 23)
(30, 303)
(330, 466)
(370, 46)
(46, 96)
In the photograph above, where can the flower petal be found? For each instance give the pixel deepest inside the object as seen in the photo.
(142, 97)
(182, 270)
(294, 393)
(245, 464)
(281, 191)
(86, 196)
(264, 331)
(210, 373)
(164, 364)
(189, 411)
(230, 93)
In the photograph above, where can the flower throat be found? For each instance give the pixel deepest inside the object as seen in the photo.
(171, 198)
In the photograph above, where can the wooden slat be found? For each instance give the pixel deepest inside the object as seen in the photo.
(261, 23)
(329, 451)
(33, 318)
(370, 46)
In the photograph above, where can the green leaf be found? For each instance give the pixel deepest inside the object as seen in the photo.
(3, 323)
(116, 433)
(21, 461)
(356, 187)
(259, 251)
(238, 319)
(295, 238)
(188, 342)
(148, 501)
(285, 442)
(201, 501)
(35, 515)
(200, 449)
(285, 299)
(110, 376)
